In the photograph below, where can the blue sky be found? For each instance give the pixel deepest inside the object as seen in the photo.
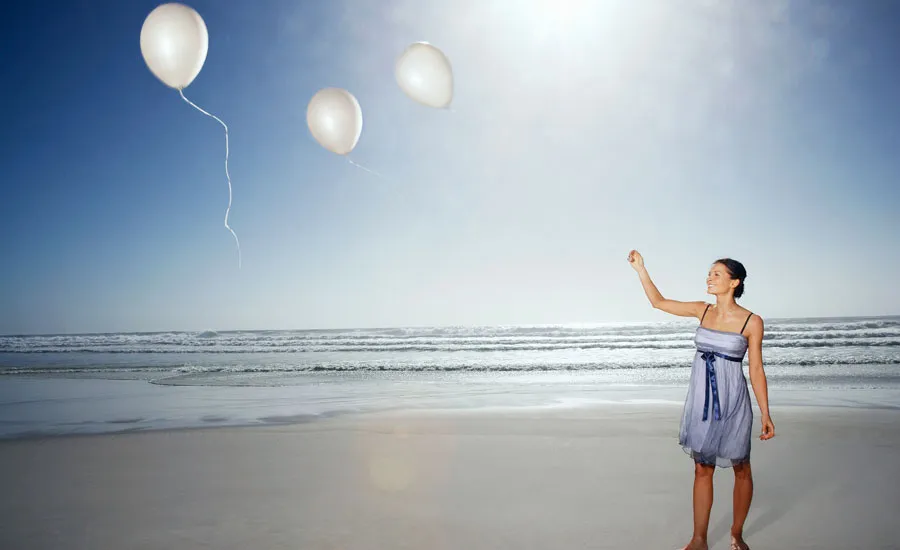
(766, 132)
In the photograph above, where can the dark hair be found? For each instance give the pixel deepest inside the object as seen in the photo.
(737, 271)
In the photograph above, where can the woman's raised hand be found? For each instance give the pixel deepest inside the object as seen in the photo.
(636, 260)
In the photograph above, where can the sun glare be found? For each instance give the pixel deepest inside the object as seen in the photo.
(558, 20)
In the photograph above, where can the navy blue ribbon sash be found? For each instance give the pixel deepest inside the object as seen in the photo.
(710, 358)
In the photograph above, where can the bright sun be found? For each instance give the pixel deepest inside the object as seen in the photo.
(561, 21)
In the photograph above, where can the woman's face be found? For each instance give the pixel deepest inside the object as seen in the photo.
(719, 281)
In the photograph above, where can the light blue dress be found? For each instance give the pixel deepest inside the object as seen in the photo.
(718, 415)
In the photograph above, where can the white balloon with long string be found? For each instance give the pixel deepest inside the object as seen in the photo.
(174, 43)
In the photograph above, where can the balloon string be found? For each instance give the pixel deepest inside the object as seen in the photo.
(227, 175)
(369, 170)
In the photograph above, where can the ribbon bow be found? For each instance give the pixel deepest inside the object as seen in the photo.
(710, 358)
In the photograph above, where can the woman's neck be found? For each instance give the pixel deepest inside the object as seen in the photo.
(726, 304)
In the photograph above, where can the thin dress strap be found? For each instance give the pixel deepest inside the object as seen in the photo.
(704, 314)
(745, 322)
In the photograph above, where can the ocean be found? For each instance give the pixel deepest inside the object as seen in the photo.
(92, 383)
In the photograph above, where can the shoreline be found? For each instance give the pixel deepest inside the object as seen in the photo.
(48, 408)
(587, 412)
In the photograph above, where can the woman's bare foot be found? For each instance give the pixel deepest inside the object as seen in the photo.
(737, 543)
(696, 544)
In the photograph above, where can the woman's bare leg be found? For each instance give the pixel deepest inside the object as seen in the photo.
(703, 500)
(743, 494)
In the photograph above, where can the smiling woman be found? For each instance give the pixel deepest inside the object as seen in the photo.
(718, 416)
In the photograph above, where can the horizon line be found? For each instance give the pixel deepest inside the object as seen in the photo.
(396, 327)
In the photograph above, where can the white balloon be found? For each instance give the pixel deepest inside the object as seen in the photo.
(174, 42)
(424, 74)
(335, 119)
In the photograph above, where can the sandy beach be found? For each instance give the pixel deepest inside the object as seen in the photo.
(604, 477)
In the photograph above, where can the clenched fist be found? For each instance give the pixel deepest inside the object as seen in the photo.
(636, 260)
